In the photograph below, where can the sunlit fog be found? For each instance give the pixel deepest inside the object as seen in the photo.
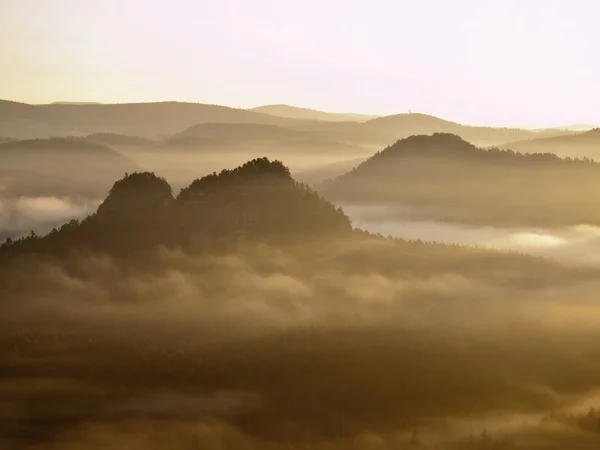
(269, 225)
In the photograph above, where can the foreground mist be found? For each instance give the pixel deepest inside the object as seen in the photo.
(246, 313)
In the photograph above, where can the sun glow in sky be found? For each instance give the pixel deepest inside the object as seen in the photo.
(492, 62)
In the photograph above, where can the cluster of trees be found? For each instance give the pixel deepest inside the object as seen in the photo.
(473, 185)
(257, 199)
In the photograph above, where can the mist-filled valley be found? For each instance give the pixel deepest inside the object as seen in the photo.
(384, 261)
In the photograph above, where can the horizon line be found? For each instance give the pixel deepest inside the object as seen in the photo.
(375, 116)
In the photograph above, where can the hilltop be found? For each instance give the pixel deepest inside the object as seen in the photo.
(294, 112)
(470, 184)
(258, 199)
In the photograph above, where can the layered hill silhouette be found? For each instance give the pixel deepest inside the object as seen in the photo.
(467, 183)
(259, 199)
(242, 132)
(34, 165)
(294, 112)
(115, 140)
(193, 144)
(252, 136)
(388, 129)
(149, 120)
(317, 175)
(159, 121)
(578, 145)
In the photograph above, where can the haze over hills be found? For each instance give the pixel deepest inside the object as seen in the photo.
(457, 181)
(576, 127)
(148, 120)
(325, 172)
(276, 139)
(190, 262)
(31, 167)
(259, 198)
(294, 112)
(161, 120)
(243, 132)
(114, 140)
(388, 129)
(248, 283)
(578, 145)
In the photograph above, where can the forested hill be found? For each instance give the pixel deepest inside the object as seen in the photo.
(492, 186)
(259, 200)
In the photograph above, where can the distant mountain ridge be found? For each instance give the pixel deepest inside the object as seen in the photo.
(162, 120)
(388, 129)
(576, 145)
(148, 120)
(294, 112)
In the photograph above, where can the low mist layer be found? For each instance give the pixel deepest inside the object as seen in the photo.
(329, 343)
(245, 312)
(578, 244)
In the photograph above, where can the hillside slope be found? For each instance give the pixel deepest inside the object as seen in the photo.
(259, 199)
(31, 165)
(148, 120)
(578, 145)
(466, 183)
(388, 129)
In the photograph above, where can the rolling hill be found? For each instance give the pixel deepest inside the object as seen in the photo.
(115, 140)
(34, 165)
(579, 145)
(243, 132)
(164, 119)
(469, 184)
(148, 120)
(388, 129)
(294, 112)
(258, 198)
(251, 137)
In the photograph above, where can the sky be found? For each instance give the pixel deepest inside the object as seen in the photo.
(530, 63)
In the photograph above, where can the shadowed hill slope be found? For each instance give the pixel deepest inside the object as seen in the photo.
(58, 155)
(60, 167)
(242, 132)
(257, 199)
(471, 184)
(578, 145)
(115, 140)
(251, 138)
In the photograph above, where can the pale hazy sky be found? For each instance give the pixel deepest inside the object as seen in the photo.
(496, 62)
